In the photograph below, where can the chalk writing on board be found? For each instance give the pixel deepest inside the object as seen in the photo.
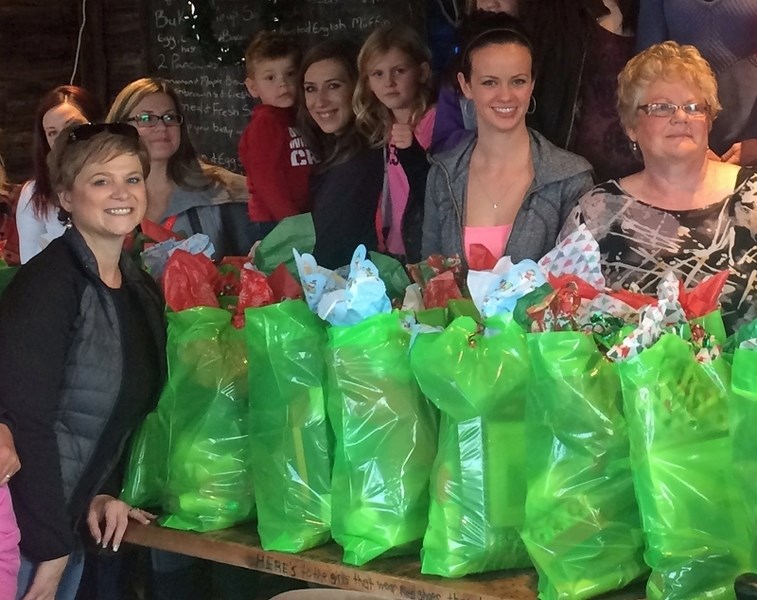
(214, 99)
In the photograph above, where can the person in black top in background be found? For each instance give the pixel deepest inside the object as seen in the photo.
(346, 184)
(580, 46)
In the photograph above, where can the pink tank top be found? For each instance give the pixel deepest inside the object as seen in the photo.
(399, 187)
(10, 559)
(492, 238)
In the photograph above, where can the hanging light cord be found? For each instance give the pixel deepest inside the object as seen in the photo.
(78, 43)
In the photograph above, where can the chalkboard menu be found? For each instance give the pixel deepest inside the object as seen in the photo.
(198, 45)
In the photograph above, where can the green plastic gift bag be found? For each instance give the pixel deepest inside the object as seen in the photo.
(147, 467)
(276, 248)
(290, 439)
(209, 483)
(681, 449)
(478, 380)
(743, 417)
(386, 435)
(582, 525)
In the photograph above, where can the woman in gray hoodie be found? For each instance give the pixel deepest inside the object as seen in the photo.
(506, 187)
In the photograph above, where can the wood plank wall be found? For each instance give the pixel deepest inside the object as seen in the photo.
(37, 49)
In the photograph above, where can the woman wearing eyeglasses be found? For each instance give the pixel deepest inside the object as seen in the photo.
(682, 211)
(724, 32)
(187, 195)
(184, 193)
(82, 338)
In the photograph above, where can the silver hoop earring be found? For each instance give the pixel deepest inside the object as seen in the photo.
(531, 109)
(469, 109)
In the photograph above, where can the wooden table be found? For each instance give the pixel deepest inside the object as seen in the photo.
(391, 577)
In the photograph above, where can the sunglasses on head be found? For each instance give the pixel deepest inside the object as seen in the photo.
(89, 130)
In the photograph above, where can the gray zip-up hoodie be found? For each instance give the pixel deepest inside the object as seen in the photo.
(218, 211)
(560, 179)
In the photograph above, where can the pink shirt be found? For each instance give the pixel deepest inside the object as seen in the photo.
(10, 559)
(399, 188)
(494, 239)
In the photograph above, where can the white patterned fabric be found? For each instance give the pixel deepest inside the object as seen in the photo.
(639, 243)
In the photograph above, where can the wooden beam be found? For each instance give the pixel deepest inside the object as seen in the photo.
(397, 577)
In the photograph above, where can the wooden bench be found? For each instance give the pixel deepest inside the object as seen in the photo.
(398, 577)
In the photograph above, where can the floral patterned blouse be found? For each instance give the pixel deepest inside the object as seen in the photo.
(639, 242)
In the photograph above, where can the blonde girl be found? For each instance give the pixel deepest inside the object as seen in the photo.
(392, 103)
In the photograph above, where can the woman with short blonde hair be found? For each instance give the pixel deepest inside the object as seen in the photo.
(683, 211)
(82, 337)
(670, 61)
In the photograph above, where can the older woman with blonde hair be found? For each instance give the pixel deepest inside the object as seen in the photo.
(184, 193)
(682, 211)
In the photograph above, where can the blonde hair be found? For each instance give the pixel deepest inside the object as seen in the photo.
(185, 167)
(669, 61)
(372, 118)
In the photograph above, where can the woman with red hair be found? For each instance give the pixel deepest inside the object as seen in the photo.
(36, 216)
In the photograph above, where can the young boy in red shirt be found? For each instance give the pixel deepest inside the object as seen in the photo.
(271, 150)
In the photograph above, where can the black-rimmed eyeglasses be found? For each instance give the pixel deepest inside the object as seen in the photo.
(151, 120)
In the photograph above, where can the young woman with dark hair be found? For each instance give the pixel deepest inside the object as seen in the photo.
(580, 46)
(506, 187)
(37, 216)
(346, 185)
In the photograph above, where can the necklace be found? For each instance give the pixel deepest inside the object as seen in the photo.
(493, 202)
